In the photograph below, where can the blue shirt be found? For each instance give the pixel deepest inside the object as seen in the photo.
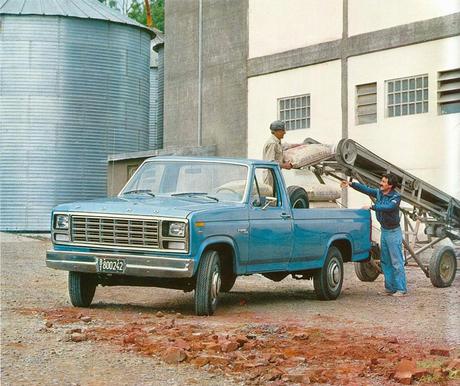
(386, 205)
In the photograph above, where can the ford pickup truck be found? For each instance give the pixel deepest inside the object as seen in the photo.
(196, 224)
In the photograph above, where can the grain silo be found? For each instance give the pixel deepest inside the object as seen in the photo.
(74, 88)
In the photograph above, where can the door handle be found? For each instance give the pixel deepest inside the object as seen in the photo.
(285, 216)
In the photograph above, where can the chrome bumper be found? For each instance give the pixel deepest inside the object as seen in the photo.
(150, 266)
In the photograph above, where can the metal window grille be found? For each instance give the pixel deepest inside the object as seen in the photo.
(295, 112)
(366, 103)
(407, 96)
(449, 91)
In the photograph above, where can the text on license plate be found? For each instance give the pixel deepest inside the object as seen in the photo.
(111, 265)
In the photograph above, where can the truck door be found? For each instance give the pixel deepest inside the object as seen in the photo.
(270, 223)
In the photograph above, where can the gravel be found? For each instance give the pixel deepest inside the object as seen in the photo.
(34, 352)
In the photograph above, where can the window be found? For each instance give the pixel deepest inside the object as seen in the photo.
(295, 112)
(264, 185)
(407, 96)
(449, 91)
(366, 103)
(131, 170)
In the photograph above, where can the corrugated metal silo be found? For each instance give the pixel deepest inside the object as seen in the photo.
(74, 88)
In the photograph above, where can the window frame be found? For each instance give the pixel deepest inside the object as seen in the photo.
(282, 110)
(407, 103)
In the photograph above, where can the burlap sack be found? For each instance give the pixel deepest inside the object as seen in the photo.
(308, 154)
(238, 187)
(323, 192)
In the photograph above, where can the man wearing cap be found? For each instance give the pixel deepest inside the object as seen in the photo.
(273, 150)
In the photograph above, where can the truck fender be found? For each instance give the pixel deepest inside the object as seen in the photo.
(337, 237)
(221, 239)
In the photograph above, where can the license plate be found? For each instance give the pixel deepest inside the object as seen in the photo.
(111, 265)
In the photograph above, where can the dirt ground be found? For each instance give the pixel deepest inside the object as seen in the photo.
(263, 332)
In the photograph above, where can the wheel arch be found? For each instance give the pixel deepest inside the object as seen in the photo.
(227, 250)
(344, 245)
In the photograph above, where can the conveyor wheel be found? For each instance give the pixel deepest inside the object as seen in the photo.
(443, 266)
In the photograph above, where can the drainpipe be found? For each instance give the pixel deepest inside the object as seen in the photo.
(200, 70)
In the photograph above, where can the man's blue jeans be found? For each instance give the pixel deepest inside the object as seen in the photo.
(392, 260)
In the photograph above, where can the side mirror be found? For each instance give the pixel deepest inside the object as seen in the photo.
(260, 202)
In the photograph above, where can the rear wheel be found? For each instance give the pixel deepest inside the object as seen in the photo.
(369, 270)
(82, 287)
(443, 266)
(208, 282)
(328, 280)
(298, 197)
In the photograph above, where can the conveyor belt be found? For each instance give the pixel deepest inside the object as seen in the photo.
(356, 161)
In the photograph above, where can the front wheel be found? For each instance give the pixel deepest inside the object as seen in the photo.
(82, 287)
(328, 280)
(208, 281)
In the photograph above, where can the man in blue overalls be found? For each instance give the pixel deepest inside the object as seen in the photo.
(387, 212)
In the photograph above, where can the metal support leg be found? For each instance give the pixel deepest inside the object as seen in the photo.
(417, 260)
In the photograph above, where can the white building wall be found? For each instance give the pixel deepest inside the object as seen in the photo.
(321, 81)
(372, 15)
(427, 145)
(277, 26)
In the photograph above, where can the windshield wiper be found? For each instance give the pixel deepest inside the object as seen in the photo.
(140, 191)
(191, 194)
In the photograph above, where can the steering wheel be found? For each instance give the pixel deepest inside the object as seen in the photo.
(226, 190)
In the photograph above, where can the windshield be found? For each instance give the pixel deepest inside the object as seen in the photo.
(213, 180)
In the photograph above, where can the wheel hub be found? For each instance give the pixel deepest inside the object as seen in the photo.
(334, 274)
(446, 267)
(215, 286)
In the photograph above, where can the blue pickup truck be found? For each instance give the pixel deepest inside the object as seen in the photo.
(195, 224)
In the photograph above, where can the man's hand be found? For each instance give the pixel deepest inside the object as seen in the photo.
(286, 165)
(344, 184)
(367, 207)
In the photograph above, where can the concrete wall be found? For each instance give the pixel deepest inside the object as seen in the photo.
(276, 26)
(181, 73)
(372, 15)
(321, 81)
(428, 144)
(223, 111)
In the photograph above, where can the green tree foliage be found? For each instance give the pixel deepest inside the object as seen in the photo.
(109, 3)
(137, 12)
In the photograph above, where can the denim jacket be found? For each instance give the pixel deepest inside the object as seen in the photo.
(386, 205)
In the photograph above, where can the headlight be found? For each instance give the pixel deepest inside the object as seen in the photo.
(177, 229)
(61, 221)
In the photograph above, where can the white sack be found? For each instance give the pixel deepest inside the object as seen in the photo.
(308, 154)
(322, 192)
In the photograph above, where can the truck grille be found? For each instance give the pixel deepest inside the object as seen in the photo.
(115, 231)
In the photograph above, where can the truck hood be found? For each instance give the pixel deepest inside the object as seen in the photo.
(145, 206)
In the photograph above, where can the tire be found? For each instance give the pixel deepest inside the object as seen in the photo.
(208, 282)
(328, 280)
(369, 270)
(443, 266)
(227, 282)
(82, 287)
(298, 197)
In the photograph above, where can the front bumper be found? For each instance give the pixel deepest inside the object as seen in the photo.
(148, 266)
